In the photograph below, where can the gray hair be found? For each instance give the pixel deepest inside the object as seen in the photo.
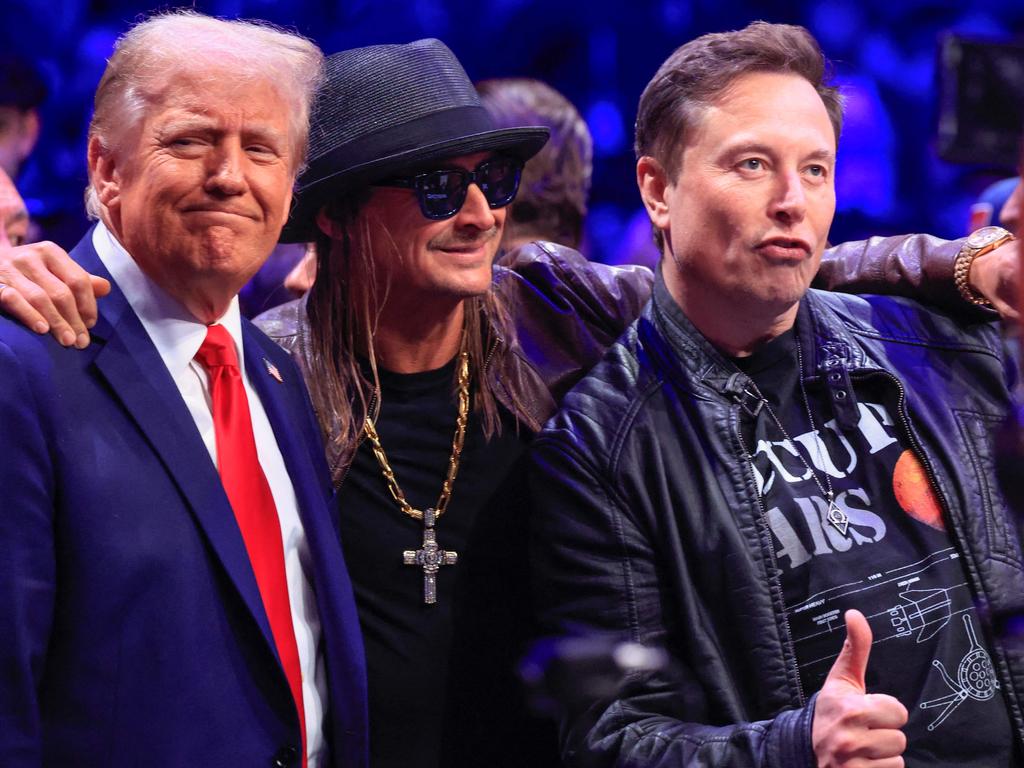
(146, 57)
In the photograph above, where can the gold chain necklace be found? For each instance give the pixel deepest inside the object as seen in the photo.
(430, 557)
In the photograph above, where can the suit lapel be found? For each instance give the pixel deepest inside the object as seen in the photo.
(343, 645)
(138, 378)
(273, 396)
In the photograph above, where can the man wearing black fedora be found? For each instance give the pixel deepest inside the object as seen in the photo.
(430, 369)
(427, 391)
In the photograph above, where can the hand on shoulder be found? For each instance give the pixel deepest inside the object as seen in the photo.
(45, 290)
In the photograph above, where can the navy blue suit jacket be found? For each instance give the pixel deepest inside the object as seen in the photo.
(131, 627)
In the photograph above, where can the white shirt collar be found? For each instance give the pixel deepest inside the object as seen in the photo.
(175, 331)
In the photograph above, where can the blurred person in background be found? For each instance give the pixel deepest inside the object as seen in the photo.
(14, 221)
(279, 280)
(301, 276)
(553, 192)
(22, 91)
(999, 203)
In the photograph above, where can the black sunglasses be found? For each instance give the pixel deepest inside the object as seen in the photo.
(441, 193)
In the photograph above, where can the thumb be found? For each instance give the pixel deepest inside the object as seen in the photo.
(100, 286)
(852, 662)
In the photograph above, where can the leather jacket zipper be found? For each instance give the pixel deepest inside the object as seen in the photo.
(801, 697)
(915, 445)
(352, 455)
(491, 351)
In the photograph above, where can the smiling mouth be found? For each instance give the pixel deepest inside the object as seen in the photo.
(466, 249)
(466, 245)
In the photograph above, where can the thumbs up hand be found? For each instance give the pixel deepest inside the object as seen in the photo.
(852, 727)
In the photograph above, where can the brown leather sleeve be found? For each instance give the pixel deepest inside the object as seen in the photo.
(567, 306)
(916, 266)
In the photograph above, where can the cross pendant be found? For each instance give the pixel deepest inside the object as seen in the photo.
(430, 557)
(837, 518)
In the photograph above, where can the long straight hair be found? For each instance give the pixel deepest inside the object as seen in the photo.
(344, 307)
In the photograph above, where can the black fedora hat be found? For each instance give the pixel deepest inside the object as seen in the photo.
(385, 109)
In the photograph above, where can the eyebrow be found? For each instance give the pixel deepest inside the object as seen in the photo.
(266, 134)
(260, 132)
(186, 123)
(822, 154)
(764, 149)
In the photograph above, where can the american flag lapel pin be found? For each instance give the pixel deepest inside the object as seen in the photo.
(272, 370)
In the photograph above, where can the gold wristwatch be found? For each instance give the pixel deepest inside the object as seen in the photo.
(980, 242)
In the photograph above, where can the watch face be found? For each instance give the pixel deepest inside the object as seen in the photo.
(985, 235)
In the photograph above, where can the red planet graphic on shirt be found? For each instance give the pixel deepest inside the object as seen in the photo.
(914, 493)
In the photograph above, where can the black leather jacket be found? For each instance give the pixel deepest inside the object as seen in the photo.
(648, 525)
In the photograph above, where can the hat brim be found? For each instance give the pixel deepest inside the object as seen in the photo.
(523, 142)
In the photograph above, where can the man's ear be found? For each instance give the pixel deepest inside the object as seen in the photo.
(104, 173)
(329, 226)
(653, 182)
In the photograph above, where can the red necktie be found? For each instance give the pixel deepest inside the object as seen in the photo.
(249, 493)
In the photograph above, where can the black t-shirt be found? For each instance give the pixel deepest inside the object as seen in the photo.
(896, 564)
(422, 658)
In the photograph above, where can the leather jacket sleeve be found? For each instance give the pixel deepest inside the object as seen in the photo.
(597, 575)
(566, 311)
(606, 299)
(915, 266)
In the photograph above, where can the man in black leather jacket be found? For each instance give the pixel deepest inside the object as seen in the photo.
(790, 491)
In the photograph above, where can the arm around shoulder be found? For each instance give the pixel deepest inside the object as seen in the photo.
(925, 268)
(45, 290)
(607, 299)
(916, 266)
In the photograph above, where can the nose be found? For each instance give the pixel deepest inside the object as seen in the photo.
(790, 202)
(475, 212)
(225, 175)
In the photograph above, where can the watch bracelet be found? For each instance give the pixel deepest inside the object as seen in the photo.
(962, 270)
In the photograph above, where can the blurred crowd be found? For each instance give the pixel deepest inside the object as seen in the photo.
(889, 179)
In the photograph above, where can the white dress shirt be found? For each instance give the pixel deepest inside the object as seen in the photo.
(177, 336)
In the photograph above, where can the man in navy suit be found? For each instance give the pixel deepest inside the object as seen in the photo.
(148, 614)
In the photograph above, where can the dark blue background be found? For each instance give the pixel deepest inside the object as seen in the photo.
(600, 54)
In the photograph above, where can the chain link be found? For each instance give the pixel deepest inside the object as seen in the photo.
(453, 462)
(829, 494)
